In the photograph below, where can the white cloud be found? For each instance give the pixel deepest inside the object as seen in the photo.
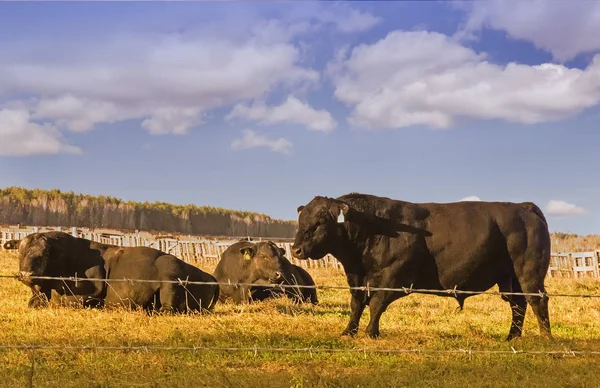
(564, 28)
(562, 208)
(167, 80)
(172, 120)
(77, 114)
(252, 139)
(171, 80)
(292, 110)
(348, 20)
(471, 198)
(417, 77)
(309, 17)
(22, 137)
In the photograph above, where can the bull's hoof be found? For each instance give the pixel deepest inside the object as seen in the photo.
(547, 335)
(511, 336)
(373, 334)
(350, 332)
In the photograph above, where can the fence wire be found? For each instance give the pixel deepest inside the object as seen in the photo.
(407, 290)
(310, 350)
(255, 350)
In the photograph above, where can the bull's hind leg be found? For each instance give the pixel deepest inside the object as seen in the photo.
(539, 305)
(518, 305)
(531, 278)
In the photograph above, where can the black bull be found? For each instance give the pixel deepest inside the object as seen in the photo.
(392, 244)
(58, 254)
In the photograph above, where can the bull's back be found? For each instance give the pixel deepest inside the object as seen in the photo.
(473, 243)
(476, 223)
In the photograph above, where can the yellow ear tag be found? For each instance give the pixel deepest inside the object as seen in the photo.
(247, 256)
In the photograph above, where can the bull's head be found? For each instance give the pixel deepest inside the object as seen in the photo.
(34, 256)
(319, 227)
(265, 261)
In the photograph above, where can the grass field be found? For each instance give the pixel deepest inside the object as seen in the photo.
(414, 322)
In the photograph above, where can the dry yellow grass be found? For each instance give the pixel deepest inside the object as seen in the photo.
(414, 322)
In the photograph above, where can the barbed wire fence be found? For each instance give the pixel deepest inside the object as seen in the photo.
(367, 288)
(32, 348)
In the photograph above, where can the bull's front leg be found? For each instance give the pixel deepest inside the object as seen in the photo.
(357, 307)
(357, 304)
(378, 303)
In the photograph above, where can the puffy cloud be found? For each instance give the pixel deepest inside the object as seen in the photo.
(175, 120)
(418, 77)
(77, 114)
(310, 17)
(292, 110)
(562, 208)
(471, 198)
(346, 19)
(22, 137)
(538, 21)
(167, 80)
(252, 139)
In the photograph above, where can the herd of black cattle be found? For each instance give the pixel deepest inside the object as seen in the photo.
(381, 243)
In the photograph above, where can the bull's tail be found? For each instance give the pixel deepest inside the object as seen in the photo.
(532, 207)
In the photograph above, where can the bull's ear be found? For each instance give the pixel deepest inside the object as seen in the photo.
(300, 208)
(345, 209)
(281, 251)
(247, 252)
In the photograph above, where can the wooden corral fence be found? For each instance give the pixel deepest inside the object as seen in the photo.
(575, 265)
(192, 249)
(204, 251)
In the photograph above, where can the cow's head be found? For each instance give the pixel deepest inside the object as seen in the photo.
(11, 244)
(34, 256)
(319, 227)
(265, 261)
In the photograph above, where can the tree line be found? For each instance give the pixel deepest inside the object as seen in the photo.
(66, 209)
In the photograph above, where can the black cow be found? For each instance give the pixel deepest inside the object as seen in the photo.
(389, 243)
(295, 275)
(11, 244)
(58, 254)
(260, 263)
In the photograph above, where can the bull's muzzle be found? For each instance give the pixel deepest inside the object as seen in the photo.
(298, 253)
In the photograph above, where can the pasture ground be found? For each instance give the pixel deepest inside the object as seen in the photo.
(414, 322)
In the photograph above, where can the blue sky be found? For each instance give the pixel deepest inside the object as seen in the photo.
(261, 105)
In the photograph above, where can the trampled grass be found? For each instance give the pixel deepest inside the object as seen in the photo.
(414, 322)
